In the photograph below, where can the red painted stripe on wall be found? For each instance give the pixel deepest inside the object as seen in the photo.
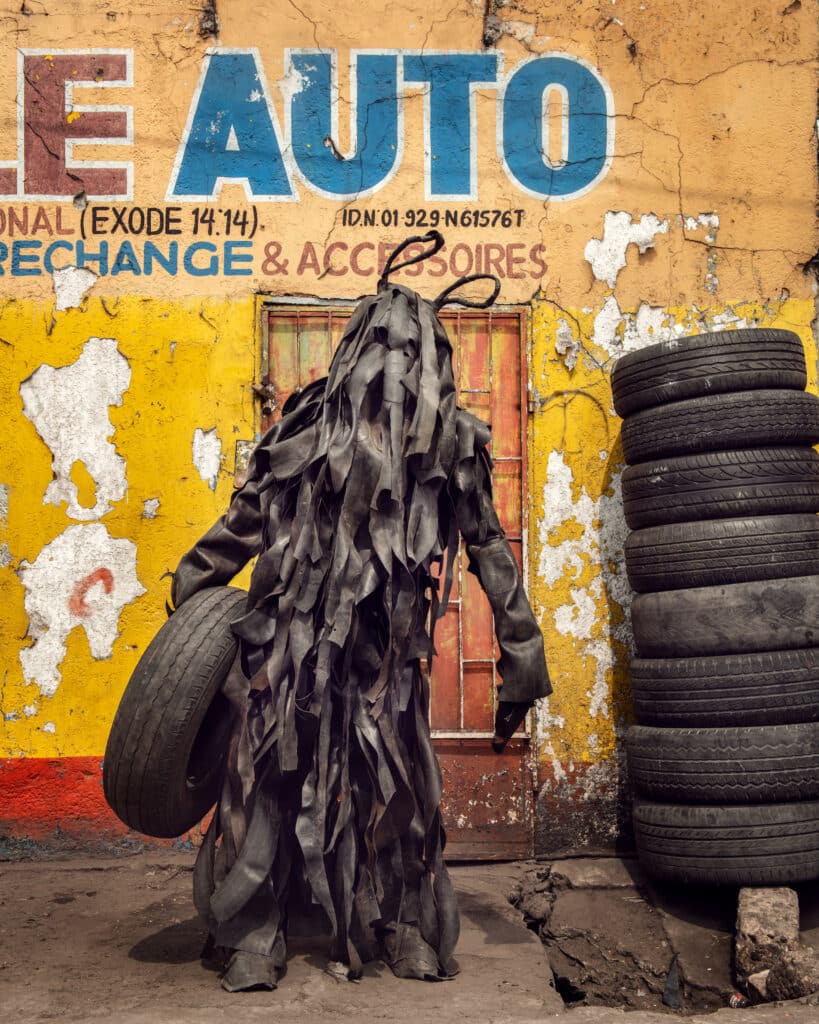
(47, 798)
(59, 802)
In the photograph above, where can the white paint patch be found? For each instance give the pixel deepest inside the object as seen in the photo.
(4, 504)
(5, 556)
(29, 710)
(607, 255)
(617, 332)
(207, 455)
(578, 618)
(150, 507)
(83, 578)
(523, 31)
(601, 549)
(71, 285)
(49, 727)
(709, 221)
(69, 407)
(566, 344)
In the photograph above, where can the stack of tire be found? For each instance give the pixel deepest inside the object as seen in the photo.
(721, 494)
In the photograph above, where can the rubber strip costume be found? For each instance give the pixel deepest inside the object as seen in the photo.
(332, 785)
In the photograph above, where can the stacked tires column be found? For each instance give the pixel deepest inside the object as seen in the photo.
(721, 493)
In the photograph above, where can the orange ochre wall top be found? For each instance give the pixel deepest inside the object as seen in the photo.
(632, 171)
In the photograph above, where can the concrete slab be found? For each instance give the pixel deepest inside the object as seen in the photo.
(596, 873)
(86, 940)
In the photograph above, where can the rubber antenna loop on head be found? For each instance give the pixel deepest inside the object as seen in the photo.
(444, 298)
(431, 236)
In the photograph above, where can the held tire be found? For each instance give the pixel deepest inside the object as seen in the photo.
(766, 688)
(704, 364)
(706, 553)
(764, 615)
(163, 762)
(740, 419)
(757, 844)
(721, 485)
(745, 765)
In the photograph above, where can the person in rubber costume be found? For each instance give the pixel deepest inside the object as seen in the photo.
(331, 785)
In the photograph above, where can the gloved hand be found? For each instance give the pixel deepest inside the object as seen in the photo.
(508, 717)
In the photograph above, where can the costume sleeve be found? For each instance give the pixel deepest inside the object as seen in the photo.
(229, 544)
(522, 663)
(237, 536)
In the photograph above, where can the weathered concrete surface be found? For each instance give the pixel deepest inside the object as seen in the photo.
(88, 940)
(767, 926)
(98, 940)
(795, 974)
(612, 935)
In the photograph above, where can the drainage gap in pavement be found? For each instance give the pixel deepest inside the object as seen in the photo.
(612, 938)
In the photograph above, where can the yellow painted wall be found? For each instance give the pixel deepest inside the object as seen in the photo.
(703, 220)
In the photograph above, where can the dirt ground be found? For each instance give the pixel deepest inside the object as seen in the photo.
(87, 940)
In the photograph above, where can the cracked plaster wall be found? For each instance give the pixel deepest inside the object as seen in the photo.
(704, 220)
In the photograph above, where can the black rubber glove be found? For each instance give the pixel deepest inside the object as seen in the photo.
(508, 717)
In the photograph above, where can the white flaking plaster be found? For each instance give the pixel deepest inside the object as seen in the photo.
(5, 556)
(207, 455)
(600, 548)
(71, 284)
(4, 504)
(49, 727)
(29, 710)
(523, 31)
(83, 578)
(709, 221)
(150, 507)
(617, 332)
(566, 344)
(607, 255)
(69, 407)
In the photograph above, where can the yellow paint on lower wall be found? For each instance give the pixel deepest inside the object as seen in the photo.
(191, 365)
(577, 580)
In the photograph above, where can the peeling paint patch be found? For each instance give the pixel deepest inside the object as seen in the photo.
(5, 556)
(607, 255)
(595, 552)
(523, 31)
(150, 507)
(709, 221)
(4, 504)
(207, 455)
(617, 332)
(29, 710)
(69, 407)
(566, 344)
(50, 727)
(71, 284)
(84, 578)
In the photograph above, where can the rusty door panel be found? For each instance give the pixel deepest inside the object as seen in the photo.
(488, 798)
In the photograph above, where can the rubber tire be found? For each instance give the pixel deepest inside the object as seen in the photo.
(747, 765)
(758, 844)
(708, 364)
(741, 419)
(735, 618)
(721, 485)
(766, 688)
(172, 720)
(715, 551)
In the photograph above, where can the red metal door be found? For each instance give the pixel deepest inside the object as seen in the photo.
(488, 798)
